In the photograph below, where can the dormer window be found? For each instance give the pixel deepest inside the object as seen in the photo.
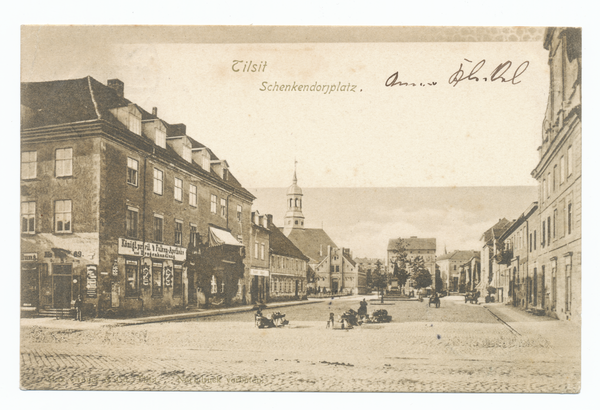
(160, 138)
(206, 162)
(134, 122)
(187, 153)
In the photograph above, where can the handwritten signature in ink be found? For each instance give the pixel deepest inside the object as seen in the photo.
(500, 73)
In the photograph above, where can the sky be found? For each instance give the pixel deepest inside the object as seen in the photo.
(379, 140)
(476, 133)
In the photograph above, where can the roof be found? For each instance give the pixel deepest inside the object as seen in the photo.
(459, 255)
(85, 99)
(496, 231)
(367, 261)
(281, 245)
(310, 241)
(67, 101)
(412, 244)
(510, 229)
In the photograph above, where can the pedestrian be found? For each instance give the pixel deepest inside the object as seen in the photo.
(79, 308)
(362, 310)
(331, 321)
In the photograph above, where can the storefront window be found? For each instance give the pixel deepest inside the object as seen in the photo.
(132, 278)
(157, 283)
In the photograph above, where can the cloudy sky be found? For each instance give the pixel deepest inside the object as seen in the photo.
(447, 136)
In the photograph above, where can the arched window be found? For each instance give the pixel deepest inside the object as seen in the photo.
(291, 202)
(296, 202)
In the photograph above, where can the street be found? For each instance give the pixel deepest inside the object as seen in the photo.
(456, 348)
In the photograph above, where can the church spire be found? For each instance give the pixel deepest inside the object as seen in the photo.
(294, 219)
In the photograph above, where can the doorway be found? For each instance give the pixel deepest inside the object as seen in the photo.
(297, 289)
(61, 286)
(334, 286)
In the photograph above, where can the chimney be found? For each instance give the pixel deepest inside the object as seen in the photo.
(116, 85)
(155, 111)
(270, 219)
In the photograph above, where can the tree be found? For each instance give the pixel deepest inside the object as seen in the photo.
(421, 277)
(439, 284)
(379, 278)
(401, 263)
(369, 279)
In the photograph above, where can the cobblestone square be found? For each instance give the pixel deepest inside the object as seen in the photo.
(456, 348)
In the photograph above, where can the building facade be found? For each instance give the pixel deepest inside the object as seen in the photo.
(289, 267)
(513, 280)
(558, 173)
(450, 269)
(259, 258)
(111, 198)
(339, 273)
(413, 246)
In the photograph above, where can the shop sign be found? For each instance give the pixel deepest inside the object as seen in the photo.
(115, 269)
(29, 257)
(168, 276)
(91, 282)
(131, 247)
(259, 272)
(146, 275)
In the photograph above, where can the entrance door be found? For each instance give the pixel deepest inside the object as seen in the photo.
(254, 290)
(62, 292)
(334, 286)
(296, 288)
(61, 286)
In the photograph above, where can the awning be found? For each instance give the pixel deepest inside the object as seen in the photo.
(218, 237)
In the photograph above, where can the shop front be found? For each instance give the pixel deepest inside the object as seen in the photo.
(145, 276)
(216, 269)
(259, 291)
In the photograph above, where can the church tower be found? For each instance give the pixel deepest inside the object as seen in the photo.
(294, 219)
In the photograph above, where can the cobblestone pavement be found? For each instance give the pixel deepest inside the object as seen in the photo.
(456, 348)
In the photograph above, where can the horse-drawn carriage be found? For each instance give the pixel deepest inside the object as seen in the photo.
(276, 319)
(434, 300)
(472, 296)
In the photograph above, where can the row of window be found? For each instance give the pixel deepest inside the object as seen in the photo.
(286, 286)
(558, 174)
(158, 276)
(63, 163)
(285, 263)
(62, 216)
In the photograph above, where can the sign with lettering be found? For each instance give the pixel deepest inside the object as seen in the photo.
(92, 281)
(115, 269)
(132, 247)
(168, 276)
(259, 272)
(29, 257)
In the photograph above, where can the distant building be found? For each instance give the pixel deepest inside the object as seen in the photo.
(558, 172)
(312, 242)
(450, 269)
(516, 252)
(259, 258)
(289, 267)
(489, 248)
(424, 247)
(339, 273)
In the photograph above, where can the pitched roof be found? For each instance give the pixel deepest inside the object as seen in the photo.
(281, 245)
(496, 231)
(459, 255)
(414, 244)
(310, 241)
(67, 101)
(86, 99)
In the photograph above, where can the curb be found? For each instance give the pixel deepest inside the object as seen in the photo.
(205, 313)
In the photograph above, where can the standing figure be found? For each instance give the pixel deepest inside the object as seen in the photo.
(331, 321)
(78, 308)
(362, 310)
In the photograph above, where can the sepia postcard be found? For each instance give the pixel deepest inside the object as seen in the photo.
(301, 208)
